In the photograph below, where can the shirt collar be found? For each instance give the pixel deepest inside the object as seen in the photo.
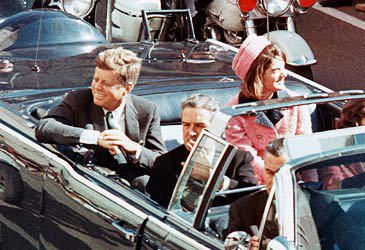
(119, 110)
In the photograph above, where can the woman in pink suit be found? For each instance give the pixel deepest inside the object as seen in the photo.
(261, 67)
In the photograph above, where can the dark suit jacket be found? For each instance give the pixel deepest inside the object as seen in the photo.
(333, 226)
(247, 211)
(65, 123)
(167, 168)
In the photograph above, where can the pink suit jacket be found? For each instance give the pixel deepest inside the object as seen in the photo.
(253, 133)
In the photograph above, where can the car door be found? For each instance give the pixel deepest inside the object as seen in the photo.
(58, 204)
(304, 196)
(85, 210)
(22, 170)
(172, 233)
(184, 226)
(323, 208)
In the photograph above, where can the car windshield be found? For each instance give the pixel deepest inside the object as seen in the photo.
(191, 195)
(333, 192)
(208, 155)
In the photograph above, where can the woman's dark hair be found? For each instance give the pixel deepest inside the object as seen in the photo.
(352, 114)
(252, 87)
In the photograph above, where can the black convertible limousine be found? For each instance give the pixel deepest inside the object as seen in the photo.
(51, 201)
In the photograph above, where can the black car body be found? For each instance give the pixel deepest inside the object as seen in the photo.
(50, 201)
(61, 204)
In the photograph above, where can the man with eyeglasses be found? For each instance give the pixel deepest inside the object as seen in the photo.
(123, 129)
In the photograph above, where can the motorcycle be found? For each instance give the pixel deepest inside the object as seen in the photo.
(228, 21)
(232, 20)
(85, 9)
(118, 20)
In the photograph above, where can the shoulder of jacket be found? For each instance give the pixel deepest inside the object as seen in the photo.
(176, 151)
(139, 98)
(81, 94)
(141, 102)
(243, 155)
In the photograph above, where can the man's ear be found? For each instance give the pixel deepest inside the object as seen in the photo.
(128, 87)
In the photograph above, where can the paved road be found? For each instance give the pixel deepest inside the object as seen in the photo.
(337, 38)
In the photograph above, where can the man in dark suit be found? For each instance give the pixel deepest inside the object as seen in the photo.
(322, 222)
(197, 114)
(247, 211)
(117, 124)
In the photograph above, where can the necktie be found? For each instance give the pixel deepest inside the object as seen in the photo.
(110, 121)
(121, 157)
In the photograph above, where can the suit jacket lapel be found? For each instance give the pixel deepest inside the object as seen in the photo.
(262, 119)
(131, 120)
(98, 117)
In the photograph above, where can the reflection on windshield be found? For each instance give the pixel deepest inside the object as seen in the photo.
(201, 166)
(7, 37)
(336, 199)
(11, 7)
(194, 177)
(334, 174)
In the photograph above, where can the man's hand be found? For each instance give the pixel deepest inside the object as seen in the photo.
(189, 144)
(202, 166)
(254, 243)
(114, 139)
(102, 142)
(200, 172)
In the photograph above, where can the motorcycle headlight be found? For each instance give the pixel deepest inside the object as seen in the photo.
(276, 7)
(79, 8)
(305, 4)
(246, 5)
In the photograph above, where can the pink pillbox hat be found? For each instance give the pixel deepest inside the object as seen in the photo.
(251, 47)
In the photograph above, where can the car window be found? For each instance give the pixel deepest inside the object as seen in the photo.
(336, 174)
(200, 177)
(334, 190)
(325, 142)
(306, 231)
